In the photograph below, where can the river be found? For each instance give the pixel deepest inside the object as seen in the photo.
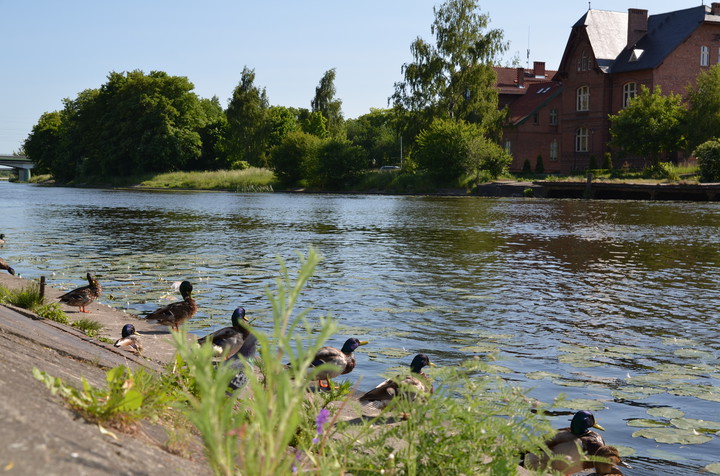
(612, 303)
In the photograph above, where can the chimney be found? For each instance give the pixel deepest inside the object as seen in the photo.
(539, 69)
(520, 77)
(637, 25)
(715, 9)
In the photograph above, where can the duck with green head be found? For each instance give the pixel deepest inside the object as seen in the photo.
(130, 339)
(342, 360)
(569, 446)
(417, 385)
(177, 313)
(84, 295)
(228, 341)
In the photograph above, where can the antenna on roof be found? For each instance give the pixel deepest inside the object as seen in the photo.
(589, 6)
(527, 54)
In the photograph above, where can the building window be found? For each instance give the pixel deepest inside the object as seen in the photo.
(536, 118)
(583, 98)
(704, 56)
(554, 150)
(581, 140)
(553, 117)
(508, 147)
(629, 92)
(584, 62)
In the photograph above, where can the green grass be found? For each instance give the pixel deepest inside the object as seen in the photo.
(249, 180)
(27, 298)
(90, 327)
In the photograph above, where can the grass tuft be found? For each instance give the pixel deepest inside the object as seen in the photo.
(252, 179)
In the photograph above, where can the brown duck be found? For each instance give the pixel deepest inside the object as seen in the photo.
(417, 385)
(83, 296)
(6, 267)
(177, 313)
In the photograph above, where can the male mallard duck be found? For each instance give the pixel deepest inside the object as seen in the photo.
(567, 442)
(411, 386)
(6, 267)
(609, 468)
(130, 339)
(229, 340)
(176, 313)
(343, 360)
(83, 296)
(2, 239)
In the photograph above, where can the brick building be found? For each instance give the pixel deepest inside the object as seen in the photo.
(608, 56)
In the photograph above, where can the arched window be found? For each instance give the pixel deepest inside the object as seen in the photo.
(583, 98)
(629, 92)
(581, 139)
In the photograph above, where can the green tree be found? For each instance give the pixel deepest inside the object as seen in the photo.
(316, 124)
(376, 132)
(43, 144)
(212, 137)
(295, 157)
(650, 126)
(326, 104)
(702, 121)
(539, 166)
(454, 78)
(708, 155)
(338, 162)
(444, 149)
(246, 115)
(280, 122)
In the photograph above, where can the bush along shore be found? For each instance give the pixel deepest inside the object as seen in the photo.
(275, 423)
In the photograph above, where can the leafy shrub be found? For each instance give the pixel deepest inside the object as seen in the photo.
(53, 312)
(539, 167)
(527, 168)
(708, 156)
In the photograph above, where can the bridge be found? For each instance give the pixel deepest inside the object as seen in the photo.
(19, 162)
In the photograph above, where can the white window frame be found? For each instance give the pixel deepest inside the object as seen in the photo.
(553, 117)
(582, 138)
(554, 150)
(629, 92)
(508, 146)
(583, 98)
(704, 56)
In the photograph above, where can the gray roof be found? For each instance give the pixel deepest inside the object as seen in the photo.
(666, 31)
(608, 34)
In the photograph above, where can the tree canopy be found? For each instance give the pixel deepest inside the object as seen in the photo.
(650, 126)
(703, 116)
(327, 104)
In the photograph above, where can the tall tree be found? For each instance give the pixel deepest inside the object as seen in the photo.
(454, 78)
(702, 122)
(650, 126)
(43, 144)
(246, 116)
(325, 103)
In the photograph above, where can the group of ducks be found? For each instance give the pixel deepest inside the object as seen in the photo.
(569, 443)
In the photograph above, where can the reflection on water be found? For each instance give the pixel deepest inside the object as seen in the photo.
(613, 302)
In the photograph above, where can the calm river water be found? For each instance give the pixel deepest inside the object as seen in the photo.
(611, 303)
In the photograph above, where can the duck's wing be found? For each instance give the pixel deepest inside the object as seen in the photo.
(130, 342)
(82, 294)
(329, 355)
(386, 390)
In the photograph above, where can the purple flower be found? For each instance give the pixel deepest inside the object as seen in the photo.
(320, 421)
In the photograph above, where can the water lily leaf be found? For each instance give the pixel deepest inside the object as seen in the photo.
(393, 352)
(694, 354)
(485, 335)
(578, 360)
(583, 404)
(645, 423)
(570, 383)
(693, 424)
(713, 468)
(672, 436)
(664, 455)
(479, 348)
(665, 412)
(541, 375)
(636, 393)
(679, 341)
(704, 392)
(626, 350)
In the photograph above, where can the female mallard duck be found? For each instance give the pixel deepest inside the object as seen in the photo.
(567, 442)
(417, 384)
(6, 267)
(343, 360)
(177, 313)
(228, 341)
(609, 468)
(83, 296)
(130, 339)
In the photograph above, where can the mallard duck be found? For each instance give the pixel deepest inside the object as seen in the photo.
(229, 340)
(83, 296)
(571, 444)
(130, 339)
(6, 267)
(417, 384)
(343, 360)
(609, 468)
(2, 239)
(176, 313)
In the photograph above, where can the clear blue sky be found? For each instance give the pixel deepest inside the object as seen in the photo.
(51, 50)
